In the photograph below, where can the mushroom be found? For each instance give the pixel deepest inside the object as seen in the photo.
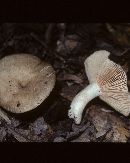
(25, 82)
(107, 80)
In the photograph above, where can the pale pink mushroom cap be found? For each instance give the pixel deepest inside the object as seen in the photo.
(107, 80)
(111, 79)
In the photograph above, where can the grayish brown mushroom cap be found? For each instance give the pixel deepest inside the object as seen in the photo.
(25, 82)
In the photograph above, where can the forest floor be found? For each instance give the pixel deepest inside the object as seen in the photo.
(65, 46)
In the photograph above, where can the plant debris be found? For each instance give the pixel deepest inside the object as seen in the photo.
(66, 46)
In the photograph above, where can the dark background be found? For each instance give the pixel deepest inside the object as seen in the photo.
(65, 46)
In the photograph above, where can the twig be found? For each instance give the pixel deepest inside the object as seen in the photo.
(4, 116)
(125, 51)
(17, 135)
(110, 29)
(46, 47)
(49, 33)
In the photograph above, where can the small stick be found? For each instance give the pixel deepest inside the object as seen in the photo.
(4, 116)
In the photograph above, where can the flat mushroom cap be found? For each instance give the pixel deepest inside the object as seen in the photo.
(111, 79)
(25, 82)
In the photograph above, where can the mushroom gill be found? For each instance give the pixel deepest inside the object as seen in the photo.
(107, 80)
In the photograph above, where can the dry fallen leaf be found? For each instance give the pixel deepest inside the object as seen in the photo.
(69, 92)
(71, 44)
(75, 78)
(125, 67)
(128, 82)
(113, 127)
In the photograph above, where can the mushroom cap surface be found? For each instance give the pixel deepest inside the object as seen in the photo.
(111, 79)
(94, 63)
(25, 82)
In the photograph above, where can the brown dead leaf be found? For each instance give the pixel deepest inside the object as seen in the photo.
(77, 79)
(125, 67)
(128, 82)
(18, 136)
(109, 124)
(69, 92)
(120, 134)
(100, 120)
(71, 44)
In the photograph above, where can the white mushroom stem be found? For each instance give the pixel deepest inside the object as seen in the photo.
(112, 80)
(81, 99)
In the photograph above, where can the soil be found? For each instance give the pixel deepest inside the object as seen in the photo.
(65, 46)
